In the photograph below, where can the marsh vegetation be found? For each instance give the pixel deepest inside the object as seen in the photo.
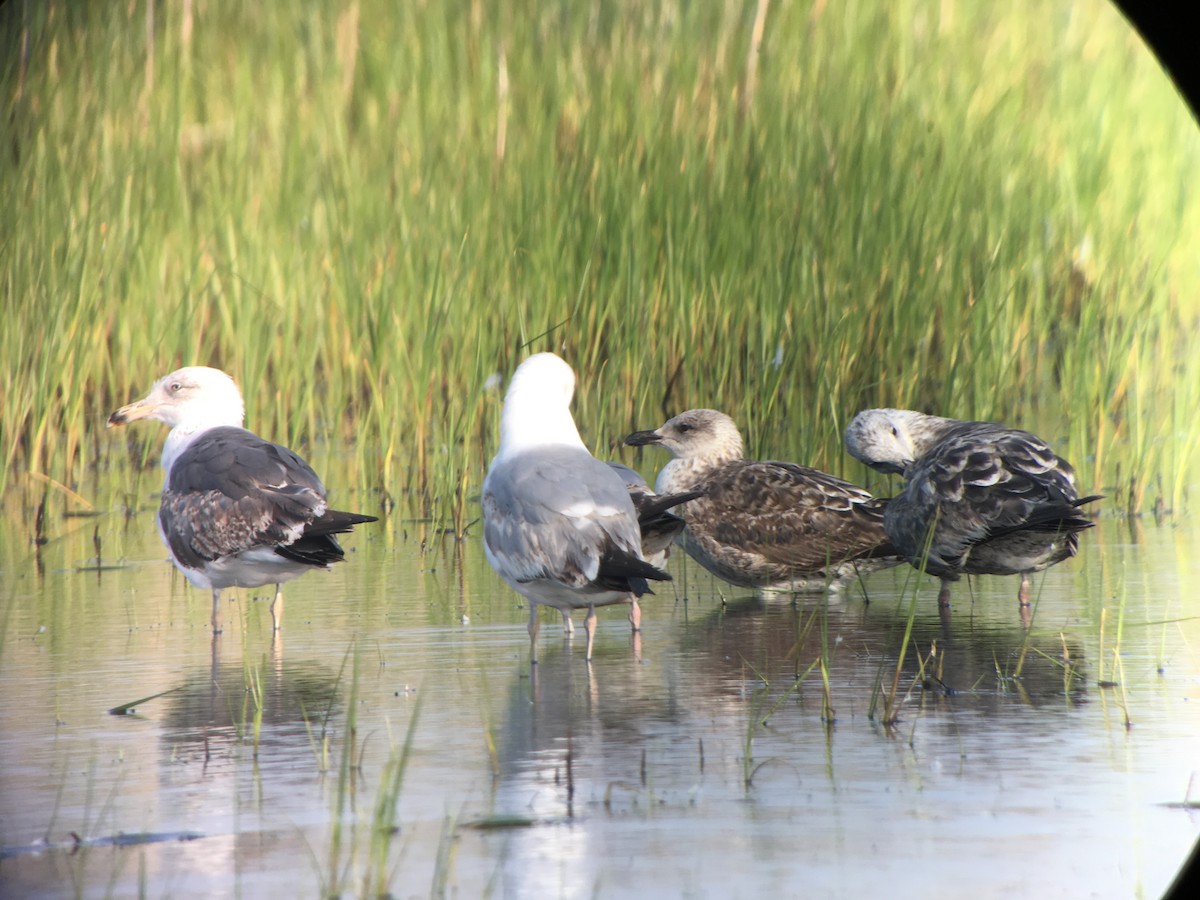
(368, 212)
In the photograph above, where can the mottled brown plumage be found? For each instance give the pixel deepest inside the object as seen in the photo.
(980, 498)
(766, 524)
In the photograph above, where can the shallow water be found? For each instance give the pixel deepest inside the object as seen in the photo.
(690, 762)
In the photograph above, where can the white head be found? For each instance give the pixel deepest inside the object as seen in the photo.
(190, 400)
(890, 440)
(699, 434)
(537, 406)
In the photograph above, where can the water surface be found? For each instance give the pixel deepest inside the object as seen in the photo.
(699, 760)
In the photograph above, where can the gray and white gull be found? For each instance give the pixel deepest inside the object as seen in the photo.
(761, 523)
(559, 525)
(979, 498)
(237, 510)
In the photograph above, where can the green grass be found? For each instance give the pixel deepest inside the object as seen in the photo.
(365, 210)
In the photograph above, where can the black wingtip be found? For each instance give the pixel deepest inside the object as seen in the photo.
(335, 521)
(650, 507)
(622, 571)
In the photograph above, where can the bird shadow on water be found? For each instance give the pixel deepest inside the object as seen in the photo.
(246, 724)
(803, 657)
(580, 748)
(571, 719)
(273, 705)
(847, 650)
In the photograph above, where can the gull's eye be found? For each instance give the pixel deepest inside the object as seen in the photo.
(895, 432)
(683, 428)
(175, 387)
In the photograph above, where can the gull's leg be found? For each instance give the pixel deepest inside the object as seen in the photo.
(944, 594)
(216, 612)
(534, 627)
(1025, 591)
(589, 625)
(277, 608)
(946, 619)
(568, 625)
(635, 615)
(1023, 595)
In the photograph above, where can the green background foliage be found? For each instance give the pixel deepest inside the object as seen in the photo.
(365, 211)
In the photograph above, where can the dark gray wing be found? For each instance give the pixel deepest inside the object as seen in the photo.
(232, 491)
(982, 481)
(560, 514)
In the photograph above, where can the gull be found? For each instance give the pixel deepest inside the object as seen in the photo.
(559, 525)
(237, 510)
(765, 524)
(979, 498)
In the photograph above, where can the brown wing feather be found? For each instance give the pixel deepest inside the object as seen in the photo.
(792, 515)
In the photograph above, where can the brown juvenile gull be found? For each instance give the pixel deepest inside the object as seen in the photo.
(237, 511)
(766, 524)
(980, 498)
(559, 525)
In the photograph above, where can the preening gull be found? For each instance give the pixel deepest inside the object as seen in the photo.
(980, 498)
(559, 525)
(766, 524)
(237, 511)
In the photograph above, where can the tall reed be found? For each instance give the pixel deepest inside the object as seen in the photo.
(366, 211)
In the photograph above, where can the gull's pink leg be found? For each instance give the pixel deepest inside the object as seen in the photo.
(534, 627)
(944, 595)
(589, 625)
(277, 608)
(635, 615)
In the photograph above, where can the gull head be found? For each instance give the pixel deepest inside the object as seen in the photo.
(537, 405)
(194, 397)
(698, 434)
(891, 440)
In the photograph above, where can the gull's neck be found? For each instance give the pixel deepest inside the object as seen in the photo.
(686, 473)
(190, 427)
(525, 428)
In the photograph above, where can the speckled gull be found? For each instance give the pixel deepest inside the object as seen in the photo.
(559, 525)
(979, 498)
(766, 524)
(237, 511)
